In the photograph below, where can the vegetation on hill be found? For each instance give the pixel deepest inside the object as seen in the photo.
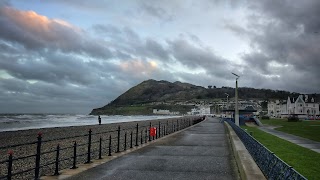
(148, 95)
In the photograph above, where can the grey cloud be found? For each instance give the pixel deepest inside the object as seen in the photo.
(282, 32)
(258, 61)
(51, 68)
(4, 3)
(34, 32)
(93, 6)
(156, 49)
(156, 11)
(106, 29)
(199, 57)
(292, 13)
(189, 55)
(127, 43)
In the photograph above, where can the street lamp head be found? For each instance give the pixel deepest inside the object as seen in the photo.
(235, 74)
(226, 94)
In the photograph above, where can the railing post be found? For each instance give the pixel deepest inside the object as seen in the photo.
(74, 155)
(109, 146)
(89, 147)
(131, 139)
(137, 134)
(100, 148)
(159, 130)
(178, 125)
(141, 140)
(118, 147)
(56, 172)
(149, 131)
(10, 165)
(146, 136)
(164, 130)
(125, 140)
(38, 155)
(167, 127)
(172, 130)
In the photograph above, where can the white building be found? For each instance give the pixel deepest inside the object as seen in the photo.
(164, 112)
(303, 106)
(201, 110)
(275, 108)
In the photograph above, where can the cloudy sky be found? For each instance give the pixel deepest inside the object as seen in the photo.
(60, 56)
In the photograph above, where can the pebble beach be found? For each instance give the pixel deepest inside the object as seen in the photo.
(66, 137)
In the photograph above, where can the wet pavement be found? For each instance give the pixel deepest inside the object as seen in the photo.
(199, 152)
(307, 143)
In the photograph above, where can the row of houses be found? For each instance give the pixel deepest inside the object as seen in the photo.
(303, 106)
(199, 110)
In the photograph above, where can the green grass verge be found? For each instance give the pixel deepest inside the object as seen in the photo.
(305, 161)
(306, 129)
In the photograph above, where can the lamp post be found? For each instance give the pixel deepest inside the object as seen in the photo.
(227, 100)
(236, 109)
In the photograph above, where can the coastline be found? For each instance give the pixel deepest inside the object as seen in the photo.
(103, 131)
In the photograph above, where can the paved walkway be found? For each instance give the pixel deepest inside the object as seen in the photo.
(307, 143)
(200, 152)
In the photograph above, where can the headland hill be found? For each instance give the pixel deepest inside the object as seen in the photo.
(180, 98)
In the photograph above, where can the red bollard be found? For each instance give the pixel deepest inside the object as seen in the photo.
(153, 131)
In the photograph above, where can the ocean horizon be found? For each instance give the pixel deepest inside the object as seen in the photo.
(15, 122)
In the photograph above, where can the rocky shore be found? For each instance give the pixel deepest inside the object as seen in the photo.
(65, 137)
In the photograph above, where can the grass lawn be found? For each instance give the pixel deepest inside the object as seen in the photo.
(306, 129)
(303, 160)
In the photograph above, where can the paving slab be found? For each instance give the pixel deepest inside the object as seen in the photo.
(200, 152)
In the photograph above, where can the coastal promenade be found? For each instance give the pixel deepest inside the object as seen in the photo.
(199, 152)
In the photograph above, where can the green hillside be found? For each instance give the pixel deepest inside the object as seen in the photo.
(152, 94)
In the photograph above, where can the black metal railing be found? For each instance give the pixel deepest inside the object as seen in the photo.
(269, 163)
(52, 155)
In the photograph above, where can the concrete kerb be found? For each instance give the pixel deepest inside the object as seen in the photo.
(248, 168)
(66, 173)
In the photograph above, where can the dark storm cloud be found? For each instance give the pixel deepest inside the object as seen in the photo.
(195, 57)
(282, 35)
(190, 55)
(292, 13)
(258, 61)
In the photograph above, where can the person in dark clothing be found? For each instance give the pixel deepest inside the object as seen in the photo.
(99, 119)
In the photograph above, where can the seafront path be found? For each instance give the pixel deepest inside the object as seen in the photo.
(307, 143)
(199, 152)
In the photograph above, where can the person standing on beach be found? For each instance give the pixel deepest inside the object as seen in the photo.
(99, 119)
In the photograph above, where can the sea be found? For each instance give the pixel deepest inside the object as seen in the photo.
(15, 122)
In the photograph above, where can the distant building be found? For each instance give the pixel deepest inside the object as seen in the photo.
(302, 106)
(200, 110)
(164, 112)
